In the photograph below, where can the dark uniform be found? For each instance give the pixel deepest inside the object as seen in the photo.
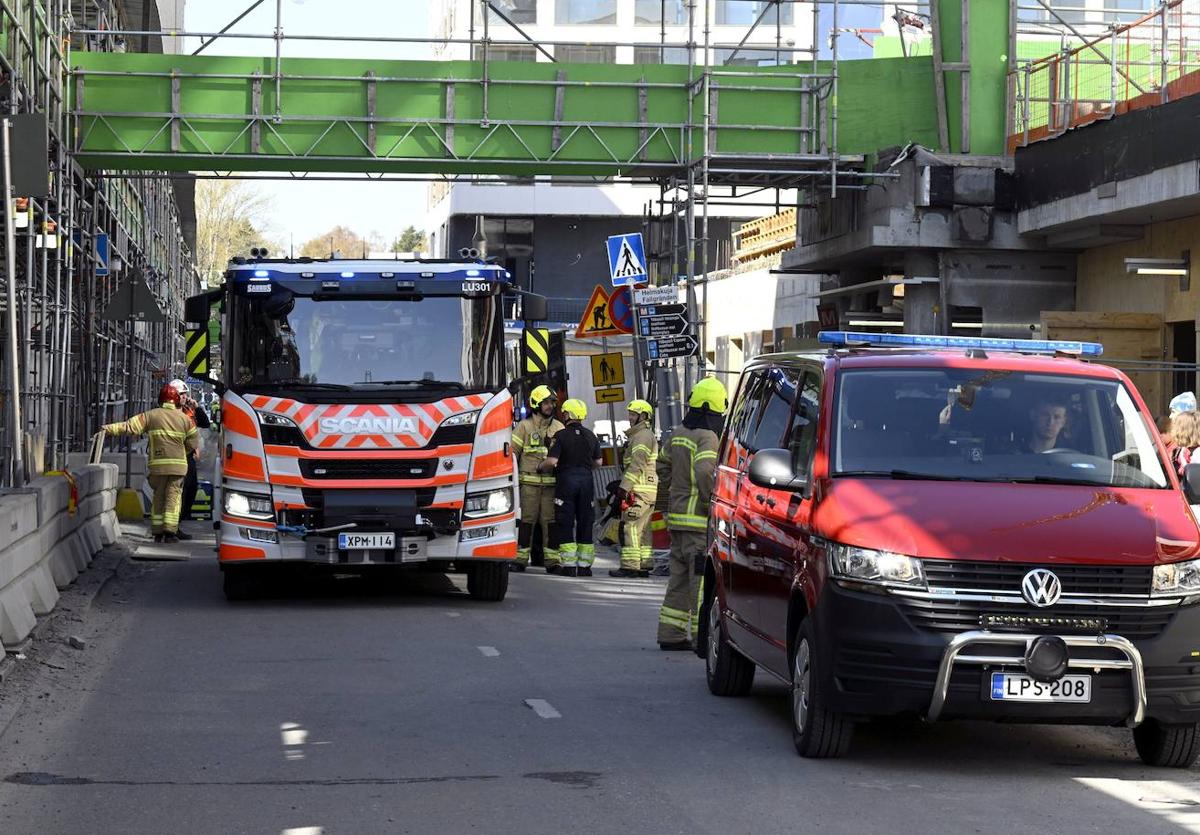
(576, 450)
(191, 480)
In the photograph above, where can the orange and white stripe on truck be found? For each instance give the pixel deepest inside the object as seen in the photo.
(493, 456)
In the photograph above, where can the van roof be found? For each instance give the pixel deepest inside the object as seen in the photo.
(942, 358)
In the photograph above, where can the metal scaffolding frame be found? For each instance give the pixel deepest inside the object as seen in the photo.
(71, 365)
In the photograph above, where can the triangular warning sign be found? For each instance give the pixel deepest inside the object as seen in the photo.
(133, 300)
(595, 321)
(628, 264)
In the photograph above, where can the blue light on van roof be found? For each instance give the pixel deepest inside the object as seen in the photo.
(347, 275)
(908, 340)
(260, 274)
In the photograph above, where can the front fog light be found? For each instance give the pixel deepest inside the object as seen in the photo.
(871, 566)
(1176, 578)
(472, 534)
(491, 503)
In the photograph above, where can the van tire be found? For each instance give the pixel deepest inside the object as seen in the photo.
(488, 580)
(1165, 745)
(239, 583)
(817, 731)
(729, 673)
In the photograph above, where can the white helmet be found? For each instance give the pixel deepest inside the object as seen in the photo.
(179, 386)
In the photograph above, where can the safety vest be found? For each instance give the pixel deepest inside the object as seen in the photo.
(172, 437)
(688, 462)
(641, 449)
(531, 441)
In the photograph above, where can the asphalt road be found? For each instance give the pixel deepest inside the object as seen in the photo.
(365, 709)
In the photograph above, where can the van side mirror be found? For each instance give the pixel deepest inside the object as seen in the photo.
(1191, 483)
(772, 468)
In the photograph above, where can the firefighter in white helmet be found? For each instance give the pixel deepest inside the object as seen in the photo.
(531, 441)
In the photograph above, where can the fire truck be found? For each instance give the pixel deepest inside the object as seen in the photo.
(366, 418)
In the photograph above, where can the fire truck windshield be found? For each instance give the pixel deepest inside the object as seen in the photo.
(366, 343)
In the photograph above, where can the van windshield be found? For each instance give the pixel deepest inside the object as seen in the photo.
(994, 425)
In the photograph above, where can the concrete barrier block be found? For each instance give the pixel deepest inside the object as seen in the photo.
(18, 518)
(63, 569)
(111, 474)
(39, 586)
(91, 536)
(22, 556)
(16, 615)
(110, 528)
(80, 556)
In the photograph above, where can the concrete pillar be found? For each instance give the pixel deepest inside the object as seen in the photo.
(923, 302)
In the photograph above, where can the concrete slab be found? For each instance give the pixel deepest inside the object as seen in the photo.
(18, 518)
(16, 615)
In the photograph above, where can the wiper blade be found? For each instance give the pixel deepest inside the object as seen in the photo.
(301, 384)
(433, 383)
(903, 474)
(1050, 479)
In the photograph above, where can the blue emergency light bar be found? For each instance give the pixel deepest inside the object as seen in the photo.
(843, 339)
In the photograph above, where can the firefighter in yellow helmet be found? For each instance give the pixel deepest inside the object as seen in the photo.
(688, 462)
(574, 456)
(531, 442)
(636, 494)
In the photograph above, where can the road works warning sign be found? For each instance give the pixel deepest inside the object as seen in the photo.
(627, 259)
(597, 317)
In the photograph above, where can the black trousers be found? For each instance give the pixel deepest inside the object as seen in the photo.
(575, 506)
(190, 484)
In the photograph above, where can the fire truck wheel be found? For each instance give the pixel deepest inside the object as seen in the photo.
(488, 580)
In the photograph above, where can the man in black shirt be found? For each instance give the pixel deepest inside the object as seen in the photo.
(575, 453)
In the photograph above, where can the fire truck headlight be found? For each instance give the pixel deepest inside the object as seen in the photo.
(465, 419)
(491, 503)
(271, 419)
(248, 505)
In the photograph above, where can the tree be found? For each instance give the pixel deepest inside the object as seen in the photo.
(338, 240)
(410, 240)
(230, 219)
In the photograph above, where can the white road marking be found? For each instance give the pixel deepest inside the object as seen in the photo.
(454, 614)
(304, 830)
(489, 652)
(543, 708)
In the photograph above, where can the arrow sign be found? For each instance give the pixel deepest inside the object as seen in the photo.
(673, 325)
(671, 346)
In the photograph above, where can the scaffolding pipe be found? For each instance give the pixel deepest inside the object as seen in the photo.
(15, 475)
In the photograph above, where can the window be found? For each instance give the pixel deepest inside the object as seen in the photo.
(778, 395)
(754, 57)
(802, 440)
(518, 11)
(746, 409)
(586, 54)
(659, 55)
(508, 52)
(646, 12)
(1125, 11)
(585, 11)
(744, 12)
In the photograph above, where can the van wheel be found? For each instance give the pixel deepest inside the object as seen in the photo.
(488, 580)
(1170, 746)
(239, 584)
(729, 673)
(817, 731)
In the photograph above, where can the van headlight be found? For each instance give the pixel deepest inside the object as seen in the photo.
(491, 503)
(248, 505)
(1176, 578)
(882, 567)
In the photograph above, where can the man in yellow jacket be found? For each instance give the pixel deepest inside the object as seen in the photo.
(638, 490)
(689, 463)
(173, 439)
(531, 441)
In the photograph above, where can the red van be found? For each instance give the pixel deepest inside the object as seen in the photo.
(953, 528)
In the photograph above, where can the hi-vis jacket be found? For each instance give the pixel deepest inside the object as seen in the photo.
(173, 437)
(688, 463)
(641, 447)
(531, 440)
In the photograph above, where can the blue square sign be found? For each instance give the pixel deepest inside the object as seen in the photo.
(627, 259)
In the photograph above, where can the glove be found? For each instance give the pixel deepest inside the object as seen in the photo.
(624, 498)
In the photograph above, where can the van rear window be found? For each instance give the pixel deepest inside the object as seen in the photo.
(993, 425)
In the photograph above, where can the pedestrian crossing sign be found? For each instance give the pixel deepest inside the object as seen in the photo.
(627, 259)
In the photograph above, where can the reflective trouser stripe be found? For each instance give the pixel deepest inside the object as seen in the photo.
(647, 557)
(567, 553)
(687, 521)
(165, 506)
(635, 522)
(586, 555)
(523, 556)
(677, 614)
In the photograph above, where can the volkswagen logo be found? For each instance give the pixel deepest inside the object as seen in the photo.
(1041, 587)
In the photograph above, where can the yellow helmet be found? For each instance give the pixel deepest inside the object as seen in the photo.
(574, 409)
(640, 407)
(539, 394)
(711, 393)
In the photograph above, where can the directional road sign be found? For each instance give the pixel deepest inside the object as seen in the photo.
(613, 395)
(607, 370)
(671, 346)
(627, 259)
(656, 295)
(663, 320)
